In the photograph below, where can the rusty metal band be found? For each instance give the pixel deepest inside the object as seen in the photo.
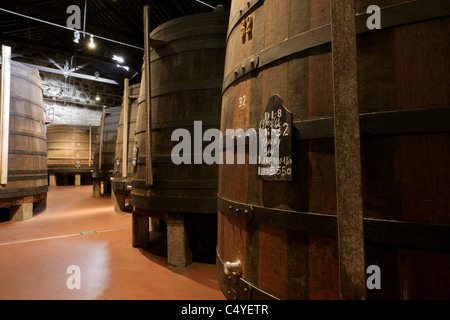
(22, 178)
(68, 169)
(320, 224)
(435, 237)
(418, 121)
(28, 152)
(203, 45)
(25, 116)
(156, 92)
(434, 120)
(22, 192)
(178, 185)
(18, 172)
(29, 80)
(34, 103)
(185, 124)
(187, 18)
(28, 134)
(167, 204)
(80, 130)
(236, 288)
(395, 15)
(120, 185)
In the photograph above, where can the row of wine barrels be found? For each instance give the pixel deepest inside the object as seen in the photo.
(70, 148)
(284, 233)
(27, 155)
(106, 144)
(186, 80)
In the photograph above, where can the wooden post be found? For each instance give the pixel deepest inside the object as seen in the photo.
(119, 201)
(348, 153)
(101, 140)
(5, 93)
(140, 230)
(90, 145)
(78, 180)
(126, 94)
(22, 211)
(97, 188)
(179, 252)
(148, 85)
(52, 179)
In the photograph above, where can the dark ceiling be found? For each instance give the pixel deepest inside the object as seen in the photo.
(38, 43)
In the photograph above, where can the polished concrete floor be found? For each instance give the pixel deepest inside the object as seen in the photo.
(79, 230)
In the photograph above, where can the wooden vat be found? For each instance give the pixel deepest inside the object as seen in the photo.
(122, 181)
(105, 151)
(186, 79)
(27, 183)
(285, 233)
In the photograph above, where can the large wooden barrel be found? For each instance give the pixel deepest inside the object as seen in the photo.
(122, 182)
(70, 148)
(284, 233)
(27, 157)
(106, 144)
(186, 80)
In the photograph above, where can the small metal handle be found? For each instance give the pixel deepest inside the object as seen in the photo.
(232, 267)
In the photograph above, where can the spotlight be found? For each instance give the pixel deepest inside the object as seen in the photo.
(91, 42)
(118, 59)
(76, 37)
(123, 67)
(97, 98)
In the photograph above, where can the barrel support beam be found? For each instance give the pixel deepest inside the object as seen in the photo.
(140, 230)
(348, 151)
(119, 201)
(22, 211)
(126, 94)
(148, 86)
(5, 87)
(97, 188)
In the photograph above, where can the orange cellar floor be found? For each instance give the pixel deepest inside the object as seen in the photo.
(35, 256)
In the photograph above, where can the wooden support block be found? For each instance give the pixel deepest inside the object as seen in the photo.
(179, 252)
(97, 188)
(78, 180)
(140, 230)
(40, 205)
(21, 212)
(119, 201)
(52, 180)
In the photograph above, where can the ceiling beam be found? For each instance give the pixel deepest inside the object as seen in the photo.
(73, 74)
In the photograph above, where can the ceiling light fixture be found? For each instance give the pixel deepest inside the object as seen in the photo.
(123, 67)
(118, 59)
(91, 42)
(76, 37)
